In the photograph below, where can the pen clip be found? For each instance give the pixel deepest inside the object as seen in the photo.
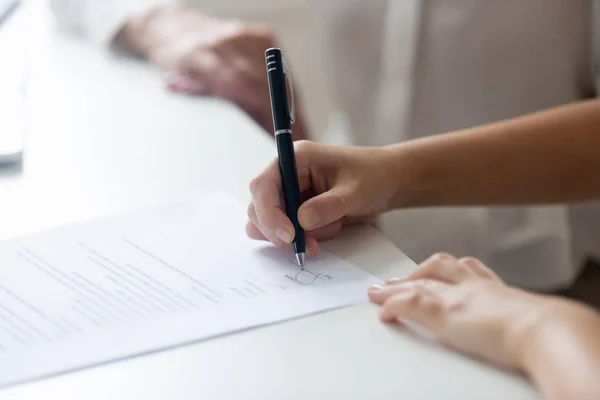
(289, 79)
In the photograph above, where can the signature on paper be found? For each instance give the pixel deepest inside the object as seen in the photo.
(306, 277)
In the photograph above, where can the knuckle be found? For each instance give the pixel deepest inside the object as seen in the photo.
(460, 271)
(442, 257)
(435, 263)
(472, 261)
(445, 265)
(477, 268)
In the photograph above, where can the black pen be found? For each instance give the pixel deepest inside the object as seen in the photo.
(283, 117)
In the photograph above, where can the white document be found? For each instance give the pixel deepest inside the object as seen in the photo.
(114, 288)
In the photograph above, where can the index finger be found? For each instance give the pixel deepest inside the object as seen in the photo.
(266, 197)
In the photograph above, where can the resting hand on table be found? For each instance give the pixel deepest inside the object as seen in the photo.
(468, 308)
(203, 55)
(340, 185)
(465, 305)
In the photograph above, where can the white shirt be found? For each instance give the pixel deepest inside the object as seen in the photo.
(405, 69)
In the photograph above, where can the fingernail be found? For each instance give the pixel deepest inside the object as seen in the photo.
(375, 289)
(311, 218)
(284, 235)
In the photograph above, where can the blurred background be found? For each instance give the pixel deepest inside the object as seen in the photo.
(103, 130)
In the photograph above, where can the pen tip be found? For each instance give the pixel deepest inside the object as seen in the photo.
(301, 259)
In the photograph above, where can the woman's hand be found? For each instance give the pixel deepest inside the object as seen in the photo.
(204, 55)
(467, 307)
(464, 304)
(340, 185)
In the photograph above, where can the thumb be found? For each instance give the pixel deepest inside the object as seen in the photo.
(325, 208)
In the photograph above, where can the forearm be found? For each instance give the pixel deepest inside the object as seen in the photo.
(547, 157)
(562, 356)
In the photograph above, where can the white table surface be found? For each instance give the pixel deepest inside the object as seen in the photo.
(104, 137)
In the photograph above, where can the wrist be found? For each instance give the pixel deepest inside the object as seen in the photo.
(523, 335)
(561, 355)
(395, 185)
(558, 321)
(406, 175)
(142, 32)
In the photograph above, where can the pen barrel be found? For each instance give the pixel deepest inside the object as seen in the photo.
(290, 186)
(276, 75)
(278, 89)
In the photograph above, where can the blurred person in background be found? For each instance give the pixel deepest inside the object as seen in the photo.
(399, 70)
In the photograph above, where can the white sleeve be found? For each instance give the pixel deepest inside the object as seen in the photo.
(99, 20)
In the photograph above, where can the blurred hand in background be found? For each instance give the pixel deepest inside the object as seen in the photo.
(203, 55)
